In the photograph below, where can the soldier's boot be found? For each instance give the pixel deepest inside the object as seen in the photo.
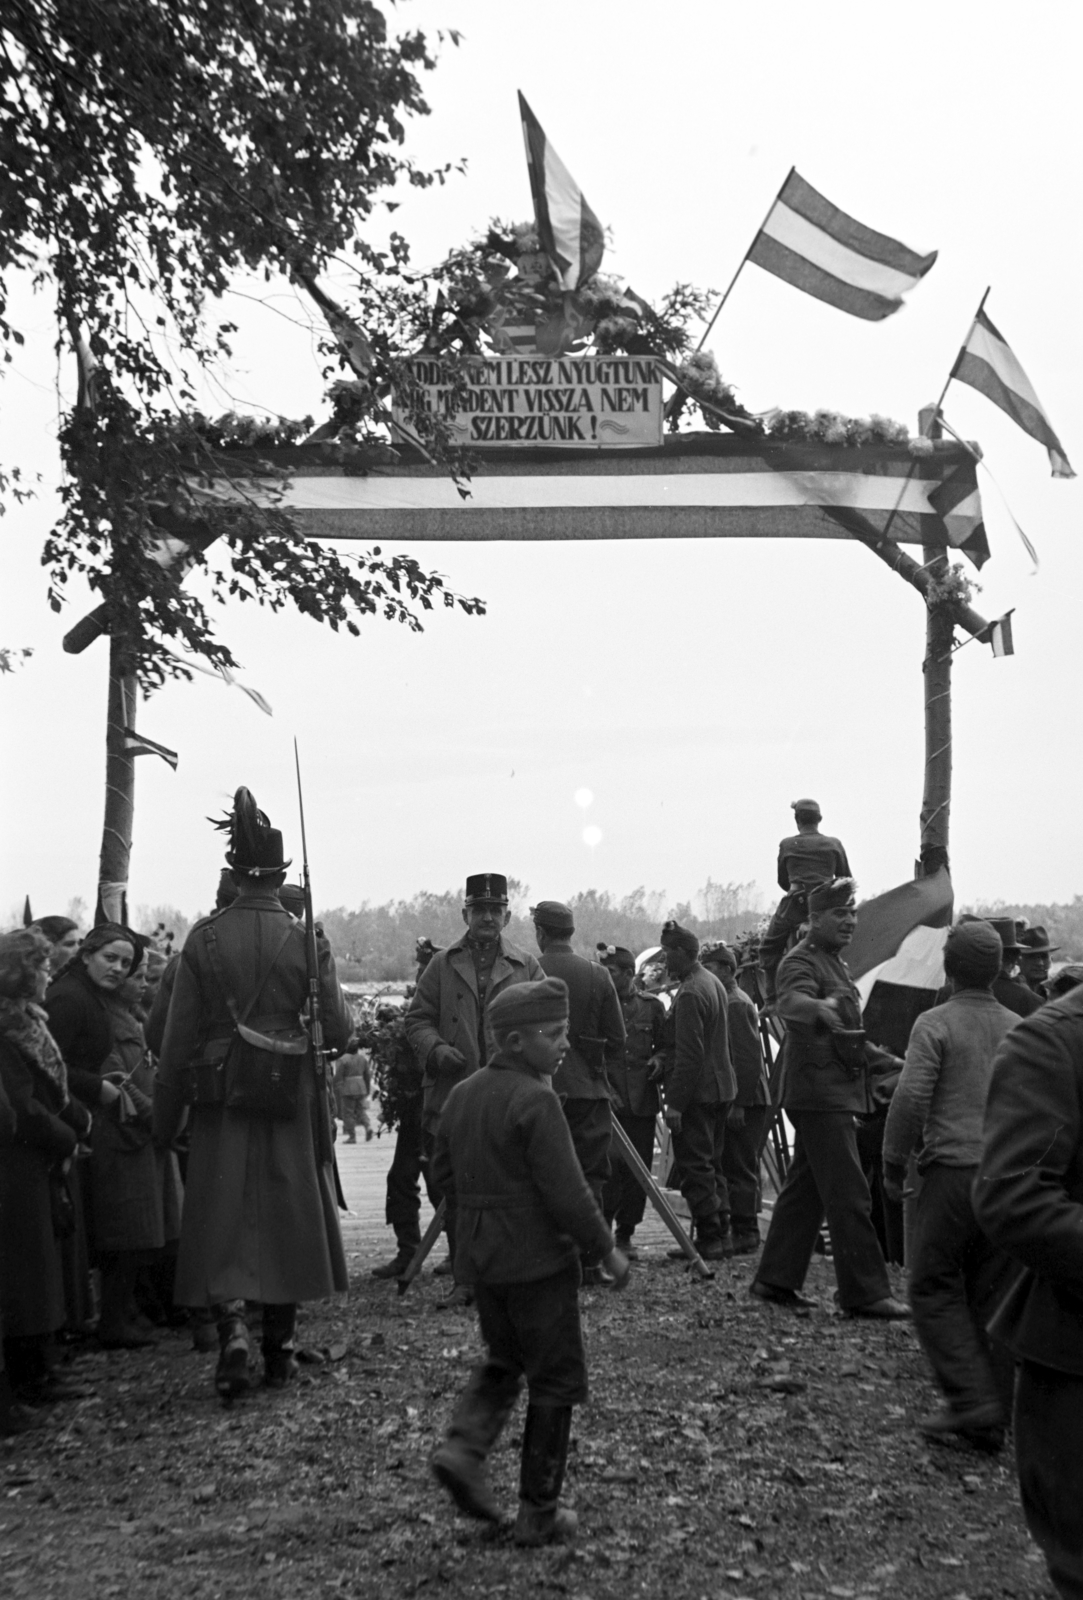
(693, 1234)
(232, 1377)
(541, 1518)
(624, 1243)
(278, 1345)
(459, 1463)
(715, 1238)
(407, 1239)
(746, 1236)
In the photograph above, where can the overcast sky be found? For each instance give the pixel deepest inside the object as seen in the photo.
(689, 690)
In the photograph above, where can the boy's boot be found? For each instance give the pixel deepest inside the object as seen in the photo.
(541, 1519)
(459, 1463)
(278, 1345)
(232, 1377)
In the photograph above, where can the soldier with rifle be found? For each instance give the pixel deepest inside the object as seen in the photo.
(255, 1001)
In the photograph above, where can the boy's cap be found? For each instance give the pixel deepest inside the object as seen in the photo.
(615, 955)
(720, 955)
(526, 1005)
(554, 916)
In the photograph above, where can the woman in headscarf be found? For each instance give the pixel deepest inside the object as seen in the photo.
(47, 1128)
(83, 1013)
(64, 937)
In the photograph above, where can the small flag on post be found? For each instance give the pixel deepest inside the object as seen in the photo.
(570, 233)
(814, 246)
(137, 744)
(999, 635)
(989, 365)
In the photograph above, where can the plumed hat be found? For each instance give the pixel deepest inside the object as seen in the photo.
(487, 886)
(976, 946)
(255, 848)
(674, 937)
(832, 895)
(615, 955)
(806, 805)
(527, 1005)
(554, 916)
(1004, 928)
(1035, 942)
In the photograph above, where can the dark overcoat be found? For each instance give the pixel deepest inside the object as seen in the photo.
(1028, 1194)
(594, 1014)
(813, 1075)
(79, 1022)
(505, 1157)
(698, 1069)
(445, 1009)
(126, 1179)
(630, 1075)
(746, 1050)
(31, 1282)
(260, 1217)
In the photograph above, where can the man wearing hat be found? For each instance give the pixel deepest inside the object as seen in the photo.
(260, 1219)
(805, 859)
(1034, 953)
(1006, 987)
(595, 1037)
(445, 1020)
(956, 1276)
(746, 1125)
(525, 1216)
(635, 1093)
(700, 1087)
(826, 1066)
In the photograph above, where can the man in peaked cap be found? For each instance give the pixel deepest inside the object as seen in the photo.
(446, 1019)
(1034, 953)
(805, 859)
(1006, 987)
(260, 1219)
(635, 1093)
(826, 1069)
(595, 1037)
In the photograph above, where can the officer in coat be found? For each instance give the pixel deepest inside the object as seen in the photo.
(826, 1066)
(260, 1216)
(446, 1019)
(635, 1091)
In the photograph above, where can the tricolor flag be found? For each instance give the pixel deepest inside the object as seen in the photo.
(999, 635)
(957, 503)
(136, 744)
(896, 956)
(813, 245)
(988, 364)
(570, 233)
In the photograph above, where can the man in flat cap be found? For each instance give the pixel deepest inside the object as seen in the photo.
(445, 1020)
(700, 1087)
(1034, 953)
(805, 859)
(595, 1037)
(956, 1276)
(1006, 986)
(826, 1068)
(635, 1092)
(746, 1125)
(504, 1157)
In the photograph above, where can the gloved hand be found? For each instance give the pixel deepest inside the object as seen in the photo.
(673, 1121)
(445, 1058)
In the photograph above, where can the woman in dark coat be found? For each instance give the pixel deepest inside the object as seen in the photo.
(48, 1125)
(82, 1003)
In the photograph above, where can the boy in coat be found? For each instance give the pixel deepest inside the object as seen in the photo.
(524, 1213)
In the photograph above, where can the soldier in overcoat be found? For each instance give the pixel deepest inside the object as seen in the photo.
(746, 1125)
(632, 1079)
(260, 1215)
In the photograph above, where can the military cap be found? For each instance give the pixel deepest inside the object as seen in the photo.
(615, 955)
(487, 886)
(674, 937)
(1004, 928)
(832, 895)
(528, 1005)
(424, 950)
(1035, 942)
(553, 916)
(292, 896)
(806, 805)
(975, 945)
(719, 954)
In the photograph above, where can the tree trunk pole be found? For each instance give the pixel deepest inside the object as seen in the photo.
(112, 904)
(936, 797)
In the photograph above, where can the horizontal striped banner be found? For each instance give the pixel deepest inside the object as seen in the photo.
(988, 363)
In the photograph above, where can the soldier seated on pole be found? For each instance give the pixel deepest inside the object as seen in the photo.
(632, 1080)
(260, 1219)
(446, 1019)
(805, 859)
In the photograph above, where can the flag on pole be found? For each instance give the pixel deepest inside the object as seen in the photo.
(999, 635)
(137, 744)
(814, 246)
(570, 233)
(957, 503)
(988, 364)
(351, 341)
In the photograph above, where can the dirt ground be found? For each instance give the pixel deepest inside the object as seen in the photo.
(729, 1449)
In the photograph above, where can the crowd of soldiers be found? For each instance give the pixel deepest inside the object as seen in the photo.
(516, 1083)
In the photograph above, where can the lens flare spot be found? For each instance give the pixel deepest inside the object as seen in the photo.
(592, 836)
(584, 798)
